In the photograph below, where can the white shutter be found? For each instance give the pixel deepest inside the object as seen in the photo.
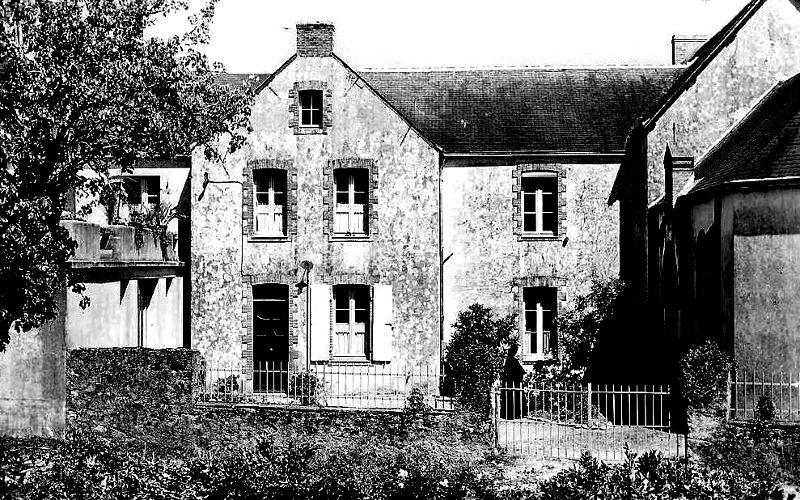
(382, 323)
(320, 322)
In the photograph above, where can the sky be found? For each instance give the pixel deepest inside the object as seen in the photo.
(259, 35)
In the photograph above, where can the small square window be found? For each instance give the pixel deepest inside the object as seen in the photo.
(142, 190)
(539, 204)
(269, 204)
(310, 108)
(540, 308)
(351, 207)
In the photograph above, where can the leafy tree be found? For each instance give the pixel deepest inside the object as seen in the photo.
(475, 354)
(593, 316)
(84, 89)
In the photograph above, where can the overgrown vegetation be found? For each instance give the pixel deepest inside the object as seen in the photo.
(475, 354)
(704, 371)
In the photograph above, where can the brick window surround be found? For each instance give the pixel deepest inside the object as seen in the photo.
(561, 225)
(247, 316)
(248, 224)
(294, 107)
(329, 197)
(537, 281)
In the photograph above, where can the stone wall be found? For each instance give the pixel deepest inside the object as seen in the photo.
(139, 393)
(490, 262)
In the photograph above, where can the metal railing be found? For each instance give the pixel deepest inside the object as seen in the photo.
(564, 420)
(339, 385)
(750, 389)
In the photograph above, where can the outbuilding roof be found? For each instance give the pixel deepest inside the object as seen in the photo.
(765, 144)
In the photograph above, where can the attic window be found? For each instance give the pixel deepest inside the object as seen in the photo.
(310, 108)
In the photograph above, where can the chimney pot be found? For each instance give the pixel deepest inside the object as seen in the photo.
(315, 39)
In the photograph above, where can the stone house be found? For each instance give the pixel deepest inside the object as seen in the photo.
(723, 79)
(731, 252)
(369, 207)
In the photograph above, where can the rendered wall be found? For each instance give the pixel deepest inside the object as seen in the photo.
(402, 251)
(32, 390)
(478, 229)
(765, 51)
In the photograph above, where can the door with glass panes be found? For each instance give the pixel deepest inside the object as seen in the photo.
(270, 337)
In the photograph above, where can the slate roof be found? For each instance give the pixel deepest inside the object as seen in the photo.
(765, 144)
(527, 109)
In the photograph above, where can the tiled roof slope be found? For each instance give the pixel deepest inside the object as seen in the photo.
(524, 110)
(235, 79)
(765, 144)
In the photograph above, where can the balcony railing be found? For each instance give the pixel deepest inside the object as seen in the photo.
(118, 244)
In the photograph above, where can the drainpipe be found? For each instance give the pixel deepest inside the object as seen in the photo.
(441, 269)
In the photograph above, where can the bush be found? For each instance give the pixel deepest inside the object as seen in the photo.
(475, 355)
(307, 388)
(704, 376)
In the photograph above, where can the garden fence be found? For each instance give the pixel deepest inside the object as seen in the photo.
(560, 420)
(751, 388)
(344, 386)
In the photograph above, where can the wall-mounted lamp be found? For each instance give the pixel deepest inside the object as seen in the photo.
(303, 283)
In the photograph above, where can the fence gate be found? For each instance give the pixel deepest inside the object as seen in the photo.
(557, 420)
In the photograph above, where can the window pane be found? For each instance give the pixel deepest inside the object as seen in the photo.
(360, 179)
(261, 179)
(360, 197)
(280, 198)
(279, 179)
(530, 320)
(549, 222)
(262, 198)
(305, 117)
(529, 200)
(316, 117)
(342, 316)
(342, 197)
(529, 222)
(528, 184)
(305, 98)
(341, 297)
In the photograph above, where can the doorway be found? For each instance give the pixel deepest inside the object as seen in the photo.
(270, 337)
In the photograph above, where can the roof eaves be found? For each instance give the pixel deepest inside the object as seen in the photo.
(380, 96)
(261, 86)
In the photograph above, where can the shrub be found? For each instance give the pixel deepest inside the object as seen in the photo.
(307, 388)
(704, 376)
(474, 357)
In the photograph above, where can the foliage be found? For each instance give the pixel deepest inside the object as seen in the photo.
(592, 316)
(704, 371)
(275, 466)
(155, 219)
(307, 388)
(475, 354)
(84, 89)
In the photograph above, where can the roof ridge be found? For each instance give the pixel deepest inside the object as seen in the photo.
(422, 69)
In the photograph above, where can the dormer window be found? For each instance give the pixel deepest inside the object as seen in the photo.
(310, 108)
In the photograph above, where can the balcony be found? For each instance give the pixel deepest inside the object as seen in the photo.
(109, 246)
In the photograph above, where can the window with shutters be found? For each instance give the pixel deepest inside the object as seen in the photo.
(269, 204)
(351, 321)
(539, 204)
(540, 307)
(351, 201)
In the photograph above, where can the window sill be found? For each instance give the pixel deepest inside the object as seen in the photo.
(268, 239)
(342, 237)
(350, 361)
(310, 130)
(538, 237)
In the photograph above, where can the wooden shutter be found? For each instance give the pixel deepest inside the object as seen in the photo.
(320, 322)
(382, 323)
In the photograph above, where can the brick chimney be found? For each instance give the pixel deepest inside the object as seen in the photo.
(677, 171)
(685, 46)
(315, 39)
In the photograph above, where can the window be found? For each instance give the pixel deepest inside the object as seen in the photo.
(350, 210)
(351, 317)
(539, 316)
(142, 190)
(539, 203)
(269, 217)
(270, 336)
(310, 108)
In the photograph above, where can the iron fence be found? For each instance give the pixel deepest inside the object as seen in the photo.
(561, 420)
(750, 389)
(341, 385)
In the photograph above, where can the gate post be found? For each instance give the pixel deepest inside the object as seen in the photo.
(494, 394)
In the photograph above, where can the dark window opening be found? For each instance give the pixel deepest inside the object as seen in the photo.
(142, 190)
(310, 108)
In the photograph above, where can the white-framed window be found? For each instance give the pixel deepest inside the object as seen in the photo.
(350, 206)
(539, 192)
(540, 308)
(142, 190)
(351, 320)
(269, 203)
(310, 108)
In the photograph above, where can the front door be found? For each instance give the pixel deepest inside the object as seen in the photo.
(270, 337)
